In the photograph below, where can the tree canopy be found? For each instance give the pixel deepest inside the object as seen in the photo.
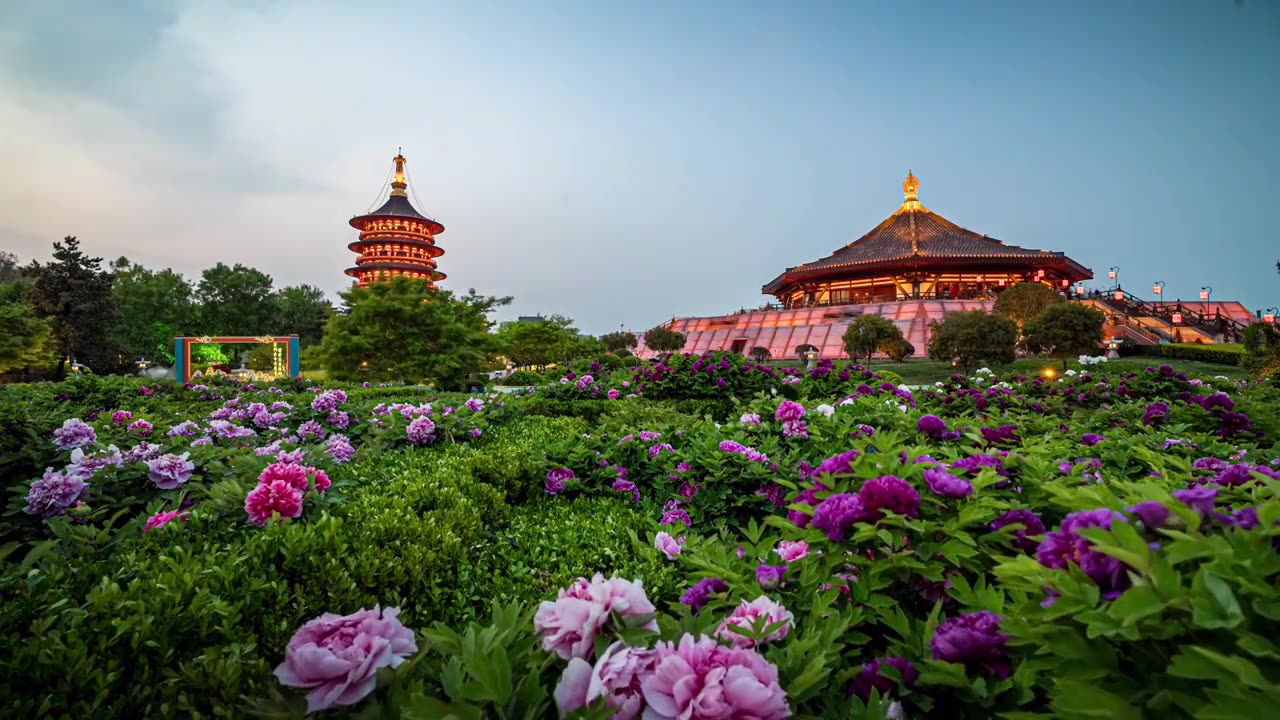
(401, 330)
(618, 341)
(74, 292)
(537, 344)
(301, 310)
(973, 337)
(154, 306)
(660, 339)
(1064, 331)
(235, 300)
(25, 339)
(869, 334)
(1025, 301)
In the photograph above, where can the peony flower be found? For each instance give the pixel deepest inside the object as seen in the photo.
(932, 426)
(140, 427)
(697, 679)
(54, 493)
(698, 595)
(825, 410)
(870, 677)
(556, 479)
(770, 576)
(749, 419)
(170, 471)
(789, 410)
(1091, 439)
(1152, 513)
(73, 434)
(340, 449)
(836, 514)
(421, 431)
(790, 551)
(841, 464)
(337, 656)
(616, 677)
(269, 498)
(944, 484)
(163, 518)
(974, 640)
(1065, 546)
(569, 625)
(295, 475)
(1200, 499)
(120, 417)
(668, 545)
(745, 617)
(1031, 525)
(889, 493)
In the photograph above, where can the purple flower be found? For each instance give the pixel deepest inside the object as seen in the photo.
(841, 464)
(752, 419)
(795, 428)
(1091, 439)
(73, 434)
(974, 464)
(774, 493)
(789, 410)
(1245, 518)
(1065, 546)
(170, 471)
(1002, 434)
(944, 484)
(1218, 400)
(339, 419)
(184, 428)
(866, 430)
(1031, 525)
(1154, 412)
(769, 576)
(804, 497)
(556, 479)
(660, 448)
(624, 485)
(836, 514)
(421, 431)
(698, 595)
(673, 514)
(54, 493)
(730, 446)
(1153, 514)
(1200, 499)
(974, 640)
(889, 493)
(870, 677)
(340, 449)
(931, 426)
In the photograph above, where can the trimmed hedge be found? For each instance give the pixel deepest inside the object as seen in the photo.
(1221, 354)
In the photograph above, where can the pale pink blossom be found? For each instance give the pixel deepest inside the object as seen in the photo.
(337, 656)
(792, 550)
(569, 625)
(616, 676)
(744, 617)
(698, 679)
(668, 545)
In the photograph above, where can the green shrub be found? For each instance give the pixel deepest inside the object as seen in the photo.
(523, 378)
(1222, 354)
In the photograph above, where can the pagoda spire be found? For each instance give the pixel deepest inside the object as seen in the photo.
(399, 185)
(910, 194)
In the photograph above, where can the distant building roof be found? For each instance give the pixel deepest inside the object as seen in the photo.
(530, 318)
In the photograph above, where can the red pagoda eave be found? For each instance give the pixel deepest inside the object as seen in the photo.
(1073, 270)
(431, 249)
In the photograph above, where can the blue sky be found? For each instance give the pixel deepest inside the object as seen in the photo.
(624, 162)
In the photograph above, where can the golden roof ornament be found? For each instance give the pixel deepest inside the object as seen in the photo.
(910, 194)
(399, 184)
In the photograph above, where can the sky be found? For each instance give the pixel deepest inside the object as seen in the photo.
(621, 163)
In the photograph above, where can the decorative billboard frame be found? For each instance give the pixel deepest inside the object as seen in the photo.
(288, 344)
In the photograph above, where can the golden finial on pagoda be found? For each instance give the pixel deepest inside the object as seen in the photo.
(910, 193)
(399, 184)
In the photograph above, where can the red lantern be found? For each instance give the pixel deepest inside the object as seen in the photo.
(1066, 282)
(1111, 274)
(1119, 295)
(1204, 296)
(1269, 318)
(1177, 318)
(1155, 289)
(1080, 289)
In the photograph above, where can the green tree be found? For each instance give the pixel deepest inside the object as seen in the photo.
(235, 301)
(535, 344)
(10, 271)
(155, 306)
(262, 357)
(972, 338)
(401, 330)
(660, 339)
(1025, 301)
(759, 354)
(26, 340)
(301, 310)
(899, 350)
(1064, 331)
(616, 341)
(869, 334)
(1261, 346)
(74, 292)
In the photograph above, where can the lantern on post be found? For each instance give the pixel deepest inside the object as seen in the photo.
(1205, 292)
(1119, 295)
(1113, 273)
(1158, 288)
(1177, 317)
(1080, 289)
(1270, 316)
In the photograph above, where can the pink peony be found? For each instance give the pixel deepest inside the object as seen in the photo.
(338, 656)
(668, 545)
(698, 679)
(744, 617)
(791, 551)
(569, 625)
(295, 475)
(322, 481)
(616, 676)
(277, 496)
(163, 518)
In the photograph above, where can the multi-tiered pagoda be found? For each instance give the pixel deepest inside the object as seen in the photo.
(396, 240)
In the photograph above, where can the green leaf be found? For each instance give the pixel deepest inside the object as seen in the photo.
(1072, 699)
(1137, 602)
(1213, 603)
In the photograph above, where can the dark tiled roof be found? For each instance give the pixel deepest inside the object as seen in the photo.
(920, 234)
(398, 206)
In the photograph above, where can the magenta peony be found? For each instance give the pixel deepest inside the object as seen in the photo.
(337, 656)
(790, 551)
(295, 475)
(616, 676)
(747, 614)
(277, 496)
(698, 679)
(163, 518)
(569, 625)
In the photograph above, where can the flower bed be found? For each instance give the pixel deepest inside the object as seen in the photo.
(829, 545)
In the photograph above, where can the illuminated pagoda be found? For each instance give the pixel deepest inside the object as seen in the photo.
(917, 254)
(396, 240)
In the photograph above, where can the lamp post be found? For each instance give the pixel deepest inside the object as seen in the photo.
(1269, 317)
(1113, 273)
(1079, 289)
(1205, 292)
(1158, 288)
(1118, 295)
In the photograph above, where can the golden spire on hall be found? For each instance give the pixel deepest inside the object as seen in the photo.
(399, 184)
(910, 194)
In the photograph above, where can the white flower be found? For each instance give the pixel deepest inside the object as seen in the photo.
(847, 401)
(938, 384)
(903, 408)
(825, 410)
(1070, 373)
(983, 371)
